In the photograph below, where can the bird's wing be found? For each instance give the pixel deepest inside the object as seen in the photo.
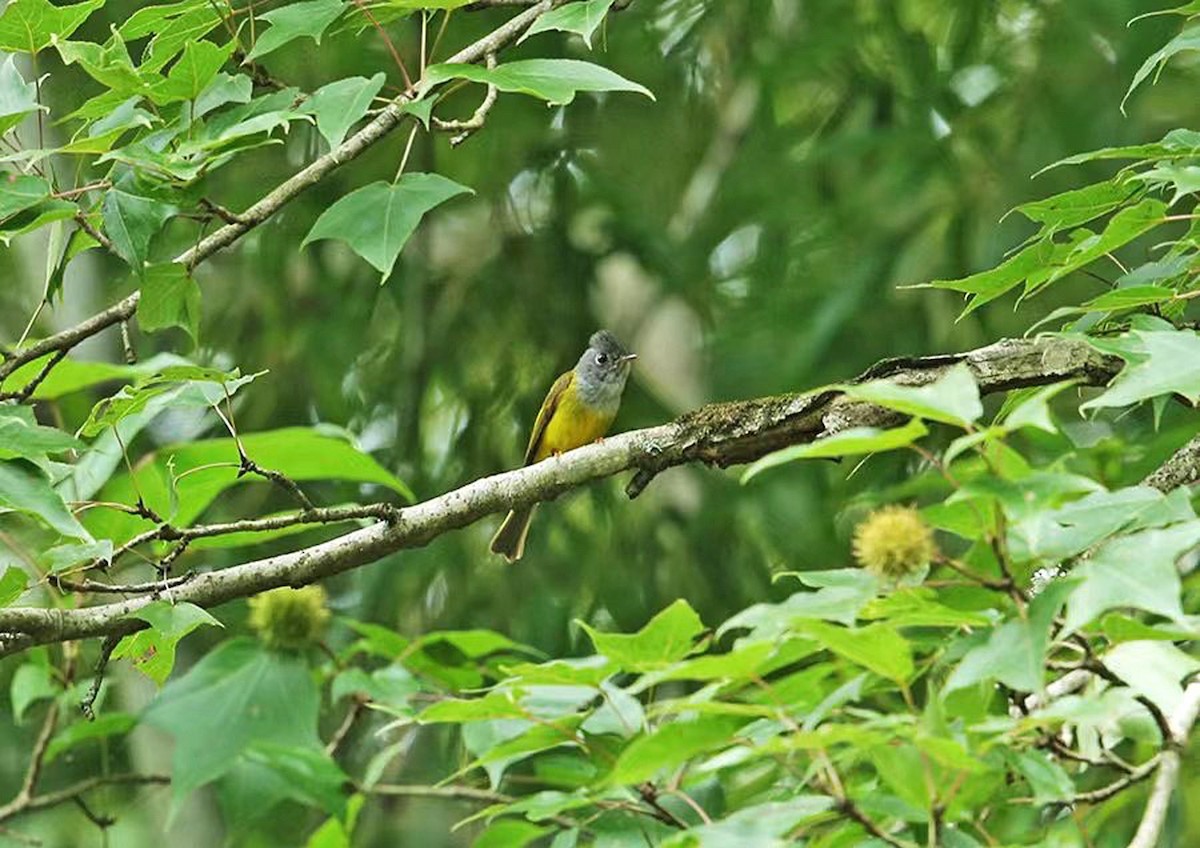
(546, 413)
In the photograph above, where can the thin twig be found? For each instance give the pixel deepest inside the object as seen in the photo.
(387, 40)
(33, 771)
(649, 793)
(104, 241)
(65, 585)
(343, 730)
(226, 215)
(127, 345)
(75, 192)
(31, 387)
(323, 515)
(1140, 773)
(464, 129)
(62, 796)
(93, 692)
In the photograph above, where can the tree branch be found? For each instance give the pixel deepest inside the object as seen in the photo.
(1169, 761)
(354, 146)
(718, 434)
(1182, 469)
(75, 791)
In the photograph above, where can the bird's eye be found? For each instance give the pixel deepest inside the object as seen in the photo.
(601, 358)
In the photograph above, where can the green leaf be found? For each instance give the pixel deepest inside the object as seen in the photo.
(29, 26)
(1189, 39)
(31, 683)
(582, 18)
(877, 647)
(470, 643)
(413, 5)
(1032, 409)
(988, 285)
(1086, 247)
(1045, 777)
(25, 488)
(738, 664)
(497, 704)
(496, 758)
(584, 671)
(1046, 261)
(422, 110)
(192, 72)
(335, 832)
(131, 221)
(556, 81)
(35, 218)
(1175, 143)
(1136, 571)
(377, 220)
(195, 20)
(620, 713)
(210, 384)
(238, 696)
(667, 638)
(1077, 206)
(310, 775)
(763, 825)
(377, 639)
(296, 20)
(170, 298)
(1159, 363)
(671, 745)
(109, 65)
(61, 557)
(19, 192)
(1182, 179)
(953, 398)
(13, 583)
(1015, 652)
(1154, 669)
(391, 686)
(918, 607)
(853, 442)
(17, 97)
(840, 594)
(23, 437)
(1129, 297)
(339, 105)
(152, 651)
(508, 833)
(1118, 627)
(1071, 529)
(224, 89)
(102, 727)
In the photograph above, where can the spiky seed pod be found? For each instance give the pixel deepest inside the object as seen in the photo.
(893, 542)
(290, 619)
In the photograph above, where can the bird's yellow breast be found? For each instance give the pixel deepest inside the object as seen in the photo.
(572, 425)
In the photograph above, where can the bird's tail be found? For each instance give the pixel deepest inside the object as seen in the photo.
(509, 540)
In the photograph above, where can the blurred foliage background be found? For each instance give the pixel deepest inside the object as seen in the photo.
(746, 234)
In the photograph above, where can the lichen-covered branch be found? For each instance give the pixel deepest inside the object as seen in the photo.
(718, 434)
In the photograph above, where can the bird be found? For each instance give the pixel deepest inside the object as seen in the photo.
(578, 410)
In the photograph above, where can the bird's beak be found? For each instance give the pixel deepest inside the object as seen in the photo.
(629, 357)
